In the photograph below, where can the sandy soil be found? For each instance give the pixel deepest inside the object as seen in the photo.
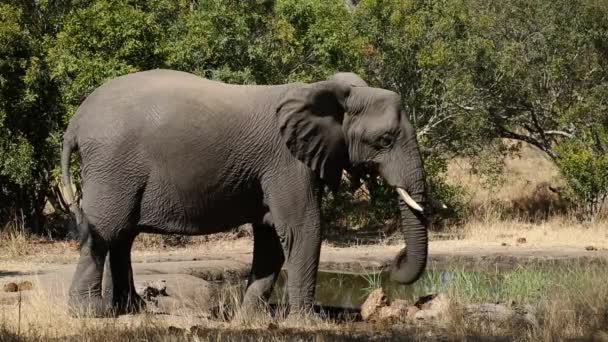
(231, 259)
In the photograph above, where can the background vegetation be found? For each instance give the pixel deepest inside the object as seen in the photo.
(479, 79)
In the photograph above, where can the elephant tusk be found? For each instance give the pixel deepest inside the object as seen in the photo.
(408, 200)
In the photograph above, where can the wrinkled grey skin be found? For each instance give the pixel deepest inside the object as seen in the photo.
(168, 152)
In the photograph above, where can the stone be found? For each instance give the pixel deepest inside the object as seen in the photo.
(401, 302)
(10, 287)
(433, 302)
(501, 313)
(22, 286)
(528, 315)
(432, 306)
(152, 289)
(25, 286)
(411, 312)
(492, 312)
(521, 240)
(371, 307)
(392, 312)
(591, 248)
(178, 294)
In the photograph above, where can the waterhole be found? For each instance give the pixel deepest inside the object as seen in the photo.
(523, 283)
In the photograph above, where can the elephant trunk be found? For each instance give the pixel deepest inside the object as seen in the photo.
(410, 263)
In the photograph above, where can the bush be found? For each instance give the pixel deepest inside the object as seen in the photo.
(586, 171)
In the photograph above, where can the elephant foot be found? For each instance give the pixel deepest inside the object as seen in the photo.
(302, 313)
(128, 304)
(94, 307)
(253, 309)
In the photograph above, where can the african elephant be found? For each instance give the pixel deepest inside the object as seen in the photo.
(169, 152)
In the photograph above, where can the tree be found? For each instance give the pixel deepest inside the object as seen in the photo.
(474, 73)
(28, 118)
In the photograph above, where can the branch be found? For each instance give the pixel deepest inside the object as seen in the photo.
(562, 133)
(432, 124)
(598, 143)
(469, 108)
(515, 136)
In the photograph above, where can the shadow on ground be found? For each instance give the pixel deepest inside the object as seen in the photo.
(350, 333)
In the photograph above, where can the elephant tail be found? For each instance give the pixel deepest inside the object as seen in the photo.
(70, 144)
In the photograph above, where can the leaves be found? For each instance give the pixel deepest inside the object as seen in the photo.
(471, 73)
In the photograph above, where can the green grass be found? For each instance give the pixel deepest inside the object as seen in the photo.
(522, 284)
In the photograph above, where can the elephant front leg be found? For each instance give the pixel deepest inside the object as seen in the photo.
(85, 297)
(268, 259)
(302, 245)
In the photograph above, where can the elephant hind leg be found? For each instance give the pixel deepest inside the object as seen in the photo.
(268, 258)
(111, 213)
(85, 294)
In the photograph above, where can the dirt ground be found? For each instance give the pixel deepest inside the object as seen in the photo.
(188, 271)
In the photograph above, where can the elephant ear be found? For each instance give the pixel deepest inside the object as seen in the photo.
(310, 120)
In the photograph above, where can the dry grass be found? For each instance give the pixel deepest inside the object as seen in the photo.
(42, 316)
(523, 174)
(558, 231)
(576, 310)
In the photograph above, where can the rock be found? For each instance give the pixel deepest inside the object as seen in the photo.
(491, 312)
(500, 313)
(400, 302)
(370, 308)
(411, 312)
(393, 312)
(422, 302)
(504, 244)
(149, 290)
(432, 302)
(14, 287)
(591, 248)
(528, 315)
(179, 294)
(25, 286)
(432, 306)
(176, 330)
(521, 240)
(10, 287)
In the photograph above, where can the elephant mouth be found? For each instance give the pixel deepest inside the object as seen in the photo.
(409, 200)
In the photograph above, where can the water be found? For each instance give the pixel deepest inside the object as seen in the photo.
(348, 290)
(521, 282)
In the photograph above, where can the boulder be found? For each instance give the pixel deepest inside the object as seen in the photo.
(411, 312)
(371, 307)
(396, 311)
(149, 290)
(10, 287)
(177, 294)
(432, 306)
(501, 313)
(493, 312)
(14, 287)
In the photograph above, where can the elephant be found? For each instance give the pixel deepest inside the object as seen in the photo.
(169, 152)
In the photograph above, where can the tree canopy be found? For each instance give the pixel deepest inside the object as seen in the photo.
(472, 73)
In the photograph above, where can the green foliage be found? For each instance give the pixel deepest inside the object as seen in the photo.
(353, 207)
(470, 72)
(100, 41)
(586, 170)
(473, 73)
(28, 115)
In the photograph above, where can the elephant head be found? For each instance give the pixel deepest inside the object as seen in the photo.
(343, 123)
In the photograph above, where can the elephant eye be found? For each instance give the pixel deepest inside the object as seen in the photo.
(385, 141)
